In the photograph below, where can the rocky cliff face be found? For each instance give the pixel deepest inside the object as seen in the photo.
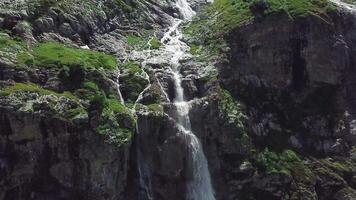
(271, 101)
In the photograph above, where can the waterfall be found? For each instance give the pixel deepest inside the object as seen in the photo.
(122, 101)
(199, 185)
(348, 6)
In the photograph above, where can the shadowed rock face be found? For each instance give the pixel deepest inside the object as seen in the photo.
(43, 158)
(303, 64)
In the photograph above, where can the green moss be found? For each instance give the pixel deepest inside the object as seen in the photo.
(155, 108)
(75, 112)
(14, 49)
(133, 80)
(53, 54)
(219, 18)
(135, 41)
(131, 67)
(88, 91)
(24, 58)
(117, 122)
(194, 49)
(234, 12)
(271, 162)
(230, 110)
(154, 43)
(33, 88)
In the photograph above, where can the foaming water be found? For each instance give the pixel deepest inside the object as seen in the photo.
(199, 185)
(122, 101)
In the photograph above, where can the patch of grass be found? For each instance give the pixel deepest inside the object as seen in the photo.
(33, 88)
(208, 28)
(52, 54)
(232, 13)
(132, 67)
(135, 41)
(155, 43)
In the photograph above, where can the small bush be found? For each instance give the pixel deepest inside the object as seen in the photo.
(230, 110)
(270, 162)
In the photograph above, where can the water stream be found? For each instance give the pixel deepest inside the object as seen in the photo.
(199, 184)
(122, 101)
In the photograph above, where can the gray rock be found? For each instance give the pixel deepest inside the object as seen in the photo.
(66, 30)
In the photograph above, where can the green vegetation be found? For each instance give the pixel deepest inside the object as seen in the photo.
(222, 16)
(13, 49)
(155, 43)
(143, 42)
(33, 88)
(230, 110)
(134, 40)
(117, 122)
(58, 107)
(272, 162)
(234, 12)
(53, 54)
(133, 80)
(123, 5)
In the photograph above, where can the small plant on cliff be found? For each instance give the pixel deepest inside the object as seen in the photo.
(133, 79)
(117, 122)
(270, 161)
(230, 110)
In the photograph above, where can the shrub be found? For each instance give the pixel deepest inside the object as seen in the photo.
(270, 162)
(230, 110)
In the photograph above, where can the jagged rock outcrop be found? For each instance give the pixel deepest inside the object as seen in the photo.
(292, 60)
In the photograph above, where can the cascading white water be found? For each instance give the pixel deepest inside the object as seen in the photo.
(198, 182)
(348, 6)
(199, 185)
(122, 101)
